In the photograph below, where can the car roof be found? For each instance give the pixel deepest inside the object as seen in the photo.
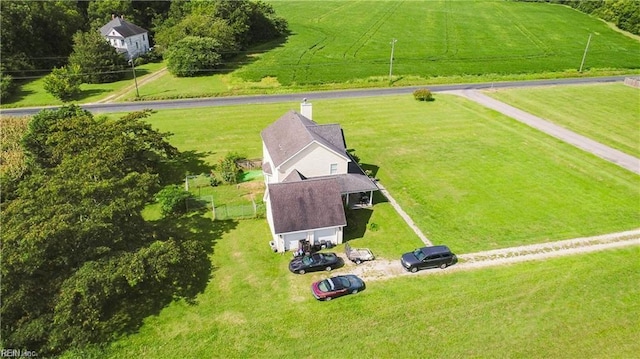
(435, 250)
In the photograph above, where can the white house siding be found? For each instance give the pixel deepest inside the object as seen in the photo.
(134, 46)
(291, 240)
(137, 45)
(266, 158)
(313, 161)
(333, 235)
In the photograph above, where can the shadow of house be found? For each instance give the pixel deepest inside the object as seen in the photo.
(370, 169)
(357, 221)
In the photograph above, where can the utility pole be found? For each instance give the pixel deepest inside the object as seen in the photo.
(585, 53)
(393, 45)
(133, 68)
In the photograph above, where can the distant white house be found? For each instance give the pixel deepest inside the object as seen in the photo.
(129, 39)
(310, 179)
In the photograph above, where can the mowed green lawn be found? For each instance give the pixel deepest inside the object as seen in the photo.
(475, 179)
(608, 113)
(340, 41)
(31, 92)
(469, 177)
(472, 179)
(571, 307)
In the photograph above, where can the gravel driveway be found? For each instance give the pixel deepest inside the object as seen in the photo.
(381, 268)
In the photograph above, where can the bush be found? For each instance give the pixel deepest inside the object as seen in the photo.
(7, 86)
(152, 56)
(172, 200)
(64, 83)
(229, 170)
(193, 55)
(423, 95)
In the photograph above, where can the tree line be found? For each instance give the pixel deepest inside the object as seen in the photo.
(61, 38)
(625, 14)
(80, 264)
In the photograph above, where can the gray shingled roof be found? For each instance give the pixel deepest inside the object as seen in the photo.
(354, 183)
(306, 205)
(294, 176)
(123, 27)
(292, 132)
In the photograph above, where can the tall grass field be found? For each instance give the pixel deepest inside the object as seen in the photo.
(342, 41)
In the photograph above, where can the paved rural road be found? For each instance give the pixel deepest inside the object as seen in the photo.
(241, 100)
(586, 144)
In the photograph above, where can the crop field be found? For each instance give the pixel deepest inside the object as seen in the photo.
(608, 113)
(342, 41)
(569, 307)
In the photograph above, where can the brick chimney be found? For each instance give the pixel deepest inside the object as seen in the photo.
(306, 109)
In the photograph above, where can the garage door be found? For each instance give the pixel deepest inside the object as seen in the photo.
(327, 235)
(291, 240)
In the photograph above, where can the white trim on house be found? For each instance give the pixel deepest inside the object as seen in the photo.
(302, 150)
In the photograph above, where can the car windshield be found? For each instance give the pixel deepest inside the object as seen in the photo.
(326, 285)
(345, 282)
(307, 260)
(418, 253)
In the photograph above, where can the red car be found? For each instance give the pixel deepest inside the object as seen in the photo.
(337, 286)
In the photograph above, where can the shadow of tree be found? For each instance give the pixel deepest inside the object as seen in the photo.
(187, 162)
(196, 236)
(357, 220)
(19, 94)
(84, 94)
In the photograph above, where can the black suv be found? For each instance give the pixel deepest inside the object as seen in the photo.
(428, 257)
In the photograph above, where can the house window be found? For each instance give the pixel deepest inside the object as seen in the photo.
(143, 39)
(137, 47)
(334, 168)
(121, 42)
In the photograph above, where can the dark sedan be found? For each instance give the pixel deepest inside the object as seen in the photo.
(337, 286)
(314, 262)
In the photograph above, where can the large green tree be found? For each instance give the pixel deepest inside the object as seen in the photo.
(236, 25)
(36, 35)
(97, 60)
(80, 264)
(193, 56)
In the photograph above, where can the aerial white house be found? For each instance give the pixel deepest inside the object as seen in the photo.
(129, 39)
(310, 179)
